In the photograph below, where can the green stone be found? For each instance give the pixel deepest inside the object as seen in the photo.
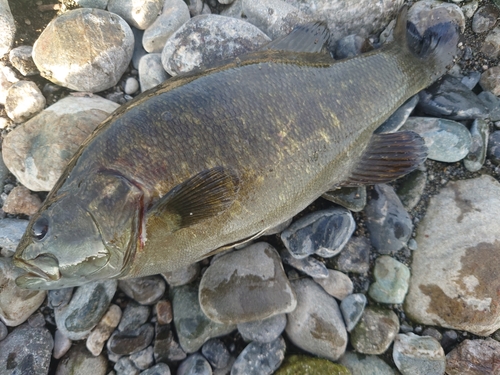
(305, 365)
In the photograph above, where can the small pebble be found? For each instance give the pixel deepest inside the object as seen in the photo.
(21, 202)
(144, 290)
(99, 335)
(216, 353)
(259, 358)
(131, 341)
(131, 86)
(494, 147)
(182, 276)
(134, 316)
(352, 308)
(143, 359)
(158, 369)
(24, 100)
(391, 280)
(337, 284)
(164, 311)
(124, 366)
(195, 364)
(266, 330)
(485, 18)
(416, 355)
(61, 345)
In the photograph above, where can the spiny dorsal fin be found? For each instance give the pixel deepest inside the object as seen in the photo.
(311, 37)
(388, 157)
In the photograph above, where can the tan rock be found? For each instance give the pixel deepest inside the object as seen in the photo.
(474, 357)
(21, 201)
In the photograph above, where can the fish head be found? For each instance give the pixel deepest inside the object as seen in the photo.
(87, 232)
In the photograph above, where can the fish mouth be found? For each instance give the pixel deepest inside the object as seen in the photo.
(43, 267)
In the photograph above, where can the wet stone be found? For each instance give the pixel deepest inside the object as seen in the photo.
(99, 335)
(11, 231)
(21, 201)
(490, 79)
(132, 340)
(151, 72)
(138, 14)
(352, 198)
(134, 316)
(309, 265)
(144, 290)
(158, 369)
(366, 364)
(418, 355)
(165, 348)
(355, 257)
(474, 357)
(124, 366)
(494, 147)
(391, 280)
(182, 276)
(195, 364)
(80, 361)
(477, 154)
(337, 284)
(449, 339)
(60, 297)
(216, 353)
(24, 100)
(352, 308)
(61, 345)
(260, 358)
(266, 330)
(143, 359)
(324, 233)
(398, 118)
(21, 59)
(485, 18)
(411, 187)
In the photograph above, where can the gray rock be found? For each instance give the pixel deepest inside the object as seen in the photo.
(61, 345)
(490, 79)
(309, 265)
(164, 312)
(88, 305)
(20, 201)
(165, 348)
(255, 272)
(144, 290)
(352, 308)
(80, 361)
(26, 350)
(277, 229)
(361, 364)
(99, 335)
(449, 339)
(350, 46)
(491, 44)
(427, 13)
(492, 103)
(398, 118)
(235, 10)
(195, 364)
(387, 221)
(352, 198)
(131, 341)
(316, 325)
(494, 147)
(391, 280)
(131, 86)
(36, 320)
(182, 276)
(473, 357)
(3, 331)
(37, 151)
(432, 332)
(216, 353)
(223, 37)
(100, 4)
(7, 27)
(477, 154)
(140, 14)
(11, 231)
(260, 358)
(337, 284)
(470, 8)
(266, 330)
(124, 366)
(485, 18)
(411, 187)
(355, 257)
(133, 316)
(195, 7)
(159, 369)
(143, 359)
(24, 100)
(416, 355)
(324, 233)
(175, 14)
(60, 297)
(21, 59)
(151, 72)
(446, 140)
(16, 304)
(471, 80)
(84, 50)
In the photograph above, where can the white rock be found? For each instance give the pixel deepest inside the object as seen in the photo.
(140, 14)
(24, 100)
(7, 27)
(131, 86)
(151, 72)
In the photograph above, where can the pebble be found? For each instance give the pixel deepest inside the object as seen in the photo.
(21, 201)
(164, 312)
(84, 50)
(398, 118)
(131, 86)
(432, 332)
(387, 221)
(175, 14)
(7, 28)
(352, 198)
(375, 331)
(100, 4)
(132, 340)
(80, 361)
(133, 316)
(492, 103)
(427, 13)
(158, 369)
(143, 359)
(490, 79)
(337, 284)
(260, 358)
(474, 357)
(448, 247)
(3, 331)
(182, 276)
(60, 297)
(221, 37)
(361, 364)
(352, 308)
(21, 59)
(391, 280)
(151, 72)
(195, 364)
(255, 272)
(36, 320)
(477, 153)
(139, 14)
(324, 233)
(446, 140)
(24, 100)
(61, 345)
(316, 325)
(37, 152)
(494, 147)
(195, 7)
(266, 330)
(411, 187)
(305, 365)
(16, 304)
(485, 18)
(309, 265)
(449, 339)
(124, 366)
(86, 308)
(355, 256)
(491, 44)
(350, 46)
(470, 8)
(144, 290)
(99, 335)
(5, 83)
(471, 80)
(165, 348)
(11, 231)
(216, 353)
(418, 355)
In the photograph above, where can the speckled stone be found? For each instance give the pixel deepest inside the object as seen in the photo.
(391, 280)
(216, 353)
(305, 365)
(260, 358)
(21, 201)
(80, 361)
(485, 18)
(266, 330)
(355, 257)
(490, 80)
(23, 101)
(21, 59)
(418, 355)
(474, 357)
(195, 364)
(151, 72)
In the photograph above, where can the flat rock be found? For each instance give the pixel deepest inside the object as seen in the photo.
(21, 201)
(216, 353)
(260, 358)
(454, 272)
(145, 290)
(309, 265)
(80, 361)
(11, 231)
(391, 280)
(337, 284)
(7, 28)
(355, 257)
(132, 340)
(418, 355)
(255, 272)
(24, 100)
(84, 50)
(139, 14)
(474, 357)
(151, 72)
(366, 364)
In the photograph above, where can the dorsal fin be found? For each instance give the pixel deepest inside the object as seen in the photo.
(312, 37)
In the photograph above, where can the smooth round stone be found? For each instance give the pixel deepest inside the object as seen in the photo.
(158, 369)
(449, 339)
(175, 14)
(26, 350)
(446, 140)
(3, 331)
(132, 340)
(494, 147)
(11, 231)
(139, 14)
(195, 364)
(260, 358)
(490, 79)
(418, 355)
(165, 348)
(491, 44)
(337, 284)
(366, 364)
(21, 59)
(355, 257)
(151, 72)
(164, 312)
(352, 198)
(411, 187)
(216, 353)
(470, 8)
(309, 265)
(24, 100)
(255, 272)
(144, 290)
(84, 50)
(375, 331)
(36, 320)
(143, 359)
(101, 4)
(7, 79)
(398, 118)
(131, 86)
(473, 357)
(477, 154)
(427, 13)
(125, 366)
(61, 345)
(432, 332)
(305, 365)
(7, 27)
(391, 280)
(21, 201)
(207, 39)
(88, 305)
(60, 297)
(134, 316)
(266, 330)
(16, 304)
(352, 308)
(182, 276)
(99, 335)
(485, 18)
(324, 233)
(492, 103)
(80, 361)
(316, 325)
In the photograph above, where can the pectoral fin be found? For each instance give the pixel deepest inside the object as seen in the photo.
(388, 157)
(311, 37)
(201, 197)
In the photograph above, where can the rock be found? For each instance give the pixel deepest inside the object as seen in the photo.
(37, 151)
(491, 44)
(391, 280)
(473, 357)
(26, 350)
(398, 118)
(101, 4)
(449, 339)
(305, 365)
(164, 312)
(216, 353)
(427, 13)
(6, 78)
(324, 233)
(192, 325)
(453, 282)
(145, 290)
(175, 14)
(61, 345)
(182, 276)
(411, 187)
(60, 297)
(7, 27)
(139, 14)
(131, 86)
(80, 361)
(11, 231)
(355, 257)
(24, 100)
(99, 335)
(432, 332)
(494, 147)
(417, 355)
(316, 324)
(365, 364)
(87, 307)
(485, 18)
(84, 50)
(36, 320)
(134, 316)
(255, 272)
(125, 366)
(352, 308)
(16, 304)
(375, 331)
(477, 154)
(159, 369)
(470, 8)
(195, 364)
(21, 201)
(309, 265)
(208, 39)
(165, 348)
(471, 80)
(195, 7)
(490, 80)
(351, 45)
(143, 359)
(260, 358)
(266, 330)
(352, 198)
(151, 72)
(492, 103)
(21, 59)
(3, 331)
(132, 340)
(387, 221)
(446, 140)
(337, 284)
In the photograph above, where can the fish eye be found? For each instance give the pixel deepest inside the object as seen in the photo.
(40, 228)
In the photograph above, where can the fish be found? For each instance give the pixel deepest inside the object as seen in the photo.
(215, 157)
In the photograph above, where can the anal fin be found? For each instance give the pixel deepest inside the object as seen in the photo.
(310, 37)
